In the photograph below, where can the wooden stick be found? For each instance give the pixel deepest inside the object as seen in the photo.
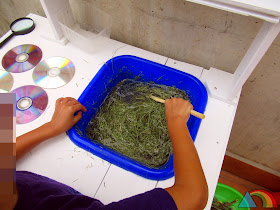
(194, 113)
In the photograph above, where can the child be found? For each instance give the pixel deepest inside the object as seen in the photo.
(190, 190)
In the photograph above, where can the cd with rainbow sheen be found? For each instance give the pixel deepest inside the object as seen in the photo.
(6, 81)
(31, 102)
(22, 58)
(53, 72)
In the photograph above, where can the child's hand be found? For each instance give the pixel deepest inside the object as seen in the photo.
(63, 118)
(177, 109)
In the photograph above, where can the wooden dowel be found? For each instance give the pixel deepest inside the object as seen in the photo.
(193, 112)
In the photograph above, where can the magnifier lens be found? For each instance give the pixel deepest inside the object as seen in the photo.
(22, 25)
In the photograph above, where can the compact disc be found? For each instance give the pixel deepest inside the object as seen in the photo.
(22, 58)
(6, 81)
(53, 72)
(31, 102)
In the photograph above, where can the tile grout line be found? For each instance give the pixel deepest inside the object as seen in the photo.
(201, 73)
(166, 61)
(156, 184)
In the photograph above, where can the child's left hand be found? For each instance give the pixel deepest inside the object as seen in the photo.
(63, 118)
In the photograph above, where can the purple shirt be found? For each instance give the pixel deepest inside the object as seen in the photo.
(39, 192)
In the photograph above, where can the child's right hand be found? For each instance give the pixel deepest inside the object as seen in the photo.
(190, 190)
(63, 118)
(177, 109)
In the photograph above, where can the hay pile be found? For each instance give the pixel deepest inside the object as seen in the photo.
(133, 124)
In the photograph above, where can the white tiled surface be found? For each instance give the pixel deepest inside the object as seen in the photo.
(61, 160)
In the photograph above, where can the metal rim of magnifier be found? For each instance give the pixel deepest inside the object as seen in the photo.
(24, 31)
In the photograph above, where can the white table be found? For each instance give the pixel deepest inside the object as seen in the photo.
(63, 161)
(268, 10)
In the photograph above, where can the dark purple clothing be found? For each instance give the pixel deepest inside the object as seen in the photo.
(39, 192)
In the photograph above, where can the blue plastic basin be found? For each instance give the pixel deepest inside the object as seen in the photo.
(129, 67)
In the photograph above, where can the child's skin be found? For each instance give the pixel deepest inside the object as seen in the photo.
(63, 119)
(190, 190)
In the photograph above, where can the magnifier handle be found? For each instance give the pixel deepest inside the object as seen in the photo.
(8, 36)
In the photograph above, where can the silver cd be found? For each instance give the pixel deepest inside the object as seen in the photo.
(6, 81)
(22, 58)
(53, 72)
(31, 103)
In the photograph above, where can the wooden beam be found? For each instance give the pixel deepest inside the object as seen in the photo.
(251, 173)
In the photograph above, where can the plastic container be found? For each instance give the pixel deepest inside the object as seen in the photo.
(225, 193)
(129, 67)
(87, 25)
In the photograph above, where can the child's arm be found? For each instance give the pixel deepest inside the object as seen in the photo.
(190, 190)
(63, 119)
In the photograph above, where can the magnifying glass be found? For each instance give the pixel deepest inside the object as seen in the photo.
(20, 26)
